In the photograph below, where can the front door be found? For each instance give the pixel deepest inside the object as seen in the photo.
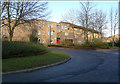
(58, 40)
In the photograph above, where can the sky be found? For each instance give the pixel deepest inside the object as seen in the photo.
(59, 8)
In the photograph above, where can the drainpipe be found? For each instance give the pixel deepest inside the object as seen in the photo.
(50, 34)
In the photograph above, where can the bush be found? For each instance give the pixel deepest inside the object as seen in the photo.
(97, 44)
(20, 49)
(71, 44)
(33, 39)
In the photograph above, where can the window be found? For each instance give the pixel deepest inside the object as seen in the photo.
(43, 32)
(3, 22)
(43, 40)
(43, 24)
(39, 32)
(4, 32)
(78, 30)
(18, 35)
(65, 34)
(75, 36)
(39, 40)
(51, 33)
(51, 40)
(62, 27)
(48, 25)
(51, 25)
(75, 30)
(65, 27)
(48, 33)
(39, 24)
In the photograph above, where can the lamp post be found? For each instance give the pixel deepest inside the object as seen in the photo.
(93, 35)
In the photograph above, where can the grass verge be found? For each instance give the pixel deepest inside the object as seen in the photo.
(21, 49)
(13, 64)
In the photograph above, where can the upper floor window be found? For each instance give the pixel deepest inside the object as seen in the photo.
(39, 23)
(43, 25)
(75, 36)
(75, 30)
(43, 32)
(51, 25)
(62, 27)
(65, 33)
(65, 27)
(51, 33)
(48, 25)
(4, 32)
(39, 32)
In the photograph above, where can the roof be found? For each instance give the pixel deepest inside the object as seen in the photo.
(80, 27)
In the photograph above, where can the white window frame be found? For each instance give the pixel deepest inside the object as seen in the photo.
(43, 40)
(4, 32)
(43, 32)
(39, 41)
(66, 34)
(48, 32)
(75, 36)
(43, 24)
(39, 32)
(51, 41)
(62, 27)
(48, 25)
(51, 33)
(75, 30)
(39, 24)
(65, 27)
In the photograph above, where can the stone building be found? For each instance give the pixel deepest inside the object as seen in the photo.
(46, 30)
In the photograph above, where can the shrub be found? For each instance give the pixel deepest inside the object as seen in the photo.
(33, 39)
(97, 44)
(20, 49)
(71, 44)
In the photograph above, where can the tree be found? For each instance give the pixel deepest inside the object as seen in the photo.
(84, 15)
(17, 13)
(70, 16)
(114, 23)
(100, 21)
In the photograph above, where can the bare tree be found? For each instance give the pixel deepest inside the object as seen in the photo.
(100, 21)
(84, 15)
(70, 16)
(114, 23)
(21, 11)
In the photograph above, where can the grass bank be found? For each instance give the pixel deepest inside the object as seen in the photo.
(12, 64)
(21, 49)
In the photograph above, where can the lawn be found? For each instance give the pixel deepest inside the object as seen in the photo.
(12, 64)
(21, 49)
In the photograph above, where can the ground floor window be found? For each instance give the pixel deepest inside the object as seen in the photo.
(39, 40)
(51, 40)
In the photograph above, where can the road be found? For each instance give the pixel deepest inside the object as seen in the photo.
(85, 66)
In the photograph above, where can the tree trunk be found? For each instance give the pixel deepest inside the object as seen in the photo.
(11, 36)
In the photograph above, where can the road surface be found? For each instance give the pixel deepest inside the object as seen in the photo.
(85, 66)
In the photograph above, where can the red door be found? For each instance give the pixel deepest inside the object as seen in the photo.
(58, 40)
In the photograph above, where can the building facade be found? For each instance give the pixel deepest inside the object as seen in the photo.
(48, 32)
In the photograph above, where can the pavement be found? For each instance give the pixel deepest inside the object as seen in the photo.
(84, 66)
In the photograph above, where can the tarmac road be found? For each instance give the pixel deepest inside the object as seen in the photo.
(84, 66)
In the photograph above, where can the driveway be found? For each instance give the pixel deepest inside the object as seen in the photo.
(85, 66)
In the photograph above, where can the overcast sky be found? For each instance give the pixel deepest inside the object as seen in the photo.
(61, 7)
